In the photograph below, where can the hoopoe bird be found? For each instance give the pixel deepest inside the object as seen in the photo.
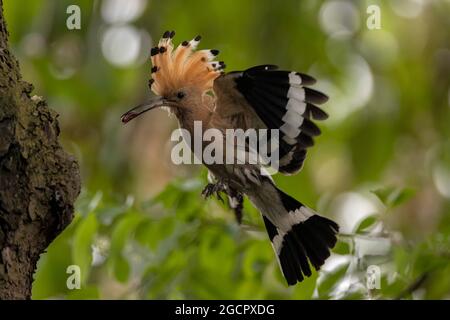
(194, 87)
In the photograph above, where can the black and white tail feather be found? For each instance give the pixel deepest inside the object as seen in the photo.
(284, 101)
(311, 237)
(300, 237)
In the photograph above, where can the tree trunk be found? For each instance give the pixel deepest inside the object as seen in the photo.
(39, 181)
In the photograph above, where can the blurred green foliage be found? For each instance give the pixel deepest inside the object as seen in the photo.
(381, 167)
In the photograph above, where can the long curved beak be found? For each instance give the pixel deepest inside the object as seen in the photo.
(144, 107)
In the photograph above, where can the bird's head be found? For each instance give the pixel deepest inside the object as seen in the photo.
(180, 77)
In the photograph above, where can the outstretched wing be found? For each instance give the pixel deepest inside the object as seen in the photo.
(264, 96)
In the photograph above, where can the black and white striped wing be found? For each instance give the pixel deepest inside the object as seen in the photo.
(284, 101)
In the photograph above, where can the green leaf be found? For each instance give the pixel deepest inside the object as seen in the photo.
(403, 258)
(305, 290)
(391, 289)
(50, 277)
(342, 247)
(120, 235)
(366, 223)
(121, 268)
(383, 194)
(87, 293)
(330, 280)
(392, 196)
(122, 231)
(401, 196)
(82, 242)
(355, 295)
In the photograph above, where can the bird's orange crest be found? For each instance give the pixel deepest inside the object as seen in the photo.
(182, 67)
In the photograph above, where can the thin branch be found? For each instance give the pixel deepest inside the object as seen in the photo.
(414, 286)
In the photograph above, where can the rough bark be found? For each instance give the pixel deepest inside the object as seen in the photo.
(39, 181)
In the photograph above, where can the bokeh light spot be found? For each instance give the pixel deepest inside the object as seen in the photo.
(120, 11)
(407, 8)
(339, 19)
(121, 45)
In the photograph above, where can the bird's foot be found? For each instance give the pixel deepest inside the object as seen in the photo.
(235, 199)
(213, 188)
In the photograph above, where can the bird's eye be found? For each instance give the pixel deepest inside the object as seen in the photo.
(180, 95)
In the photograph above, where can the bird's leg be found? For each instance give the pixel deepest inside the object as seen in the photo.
(236, 202)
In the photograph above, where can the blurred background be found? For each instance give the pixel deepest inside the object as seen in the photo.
(381, 168)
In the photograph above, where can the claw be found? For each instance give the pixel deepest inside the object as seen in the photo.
(219, 197)
(208, 191)
(214, 188)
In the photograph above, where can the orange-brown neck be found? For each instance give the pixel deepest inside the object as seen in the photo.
(199, 108)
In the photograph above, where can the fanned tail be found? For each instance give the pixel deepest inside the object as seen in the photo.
(300, 237)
